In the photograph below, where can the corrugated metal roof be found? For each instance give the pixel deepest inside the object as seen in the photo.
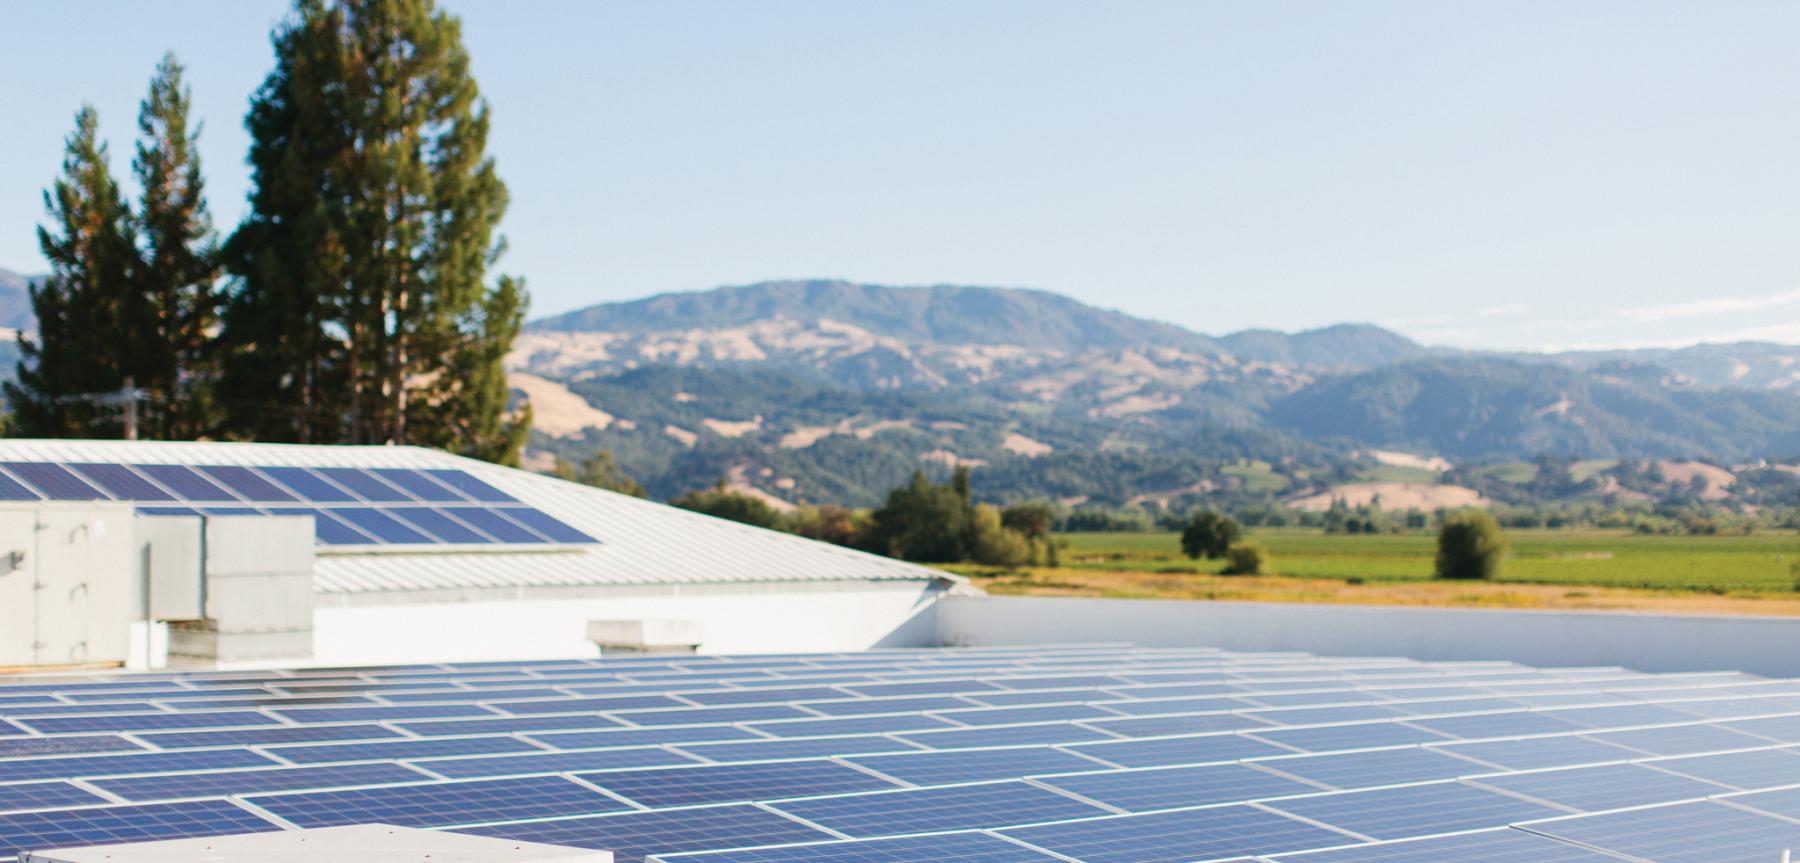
(641, 542)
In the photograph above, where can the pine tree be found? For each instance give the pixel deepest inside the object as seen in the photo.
(362, 297)
(173, 310)
(79, 307)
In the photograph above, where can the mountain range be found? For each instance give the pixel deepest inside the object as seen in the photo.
(833, 391)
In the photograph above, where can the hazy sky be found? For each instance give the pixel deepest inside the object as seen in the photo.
(1500, 174)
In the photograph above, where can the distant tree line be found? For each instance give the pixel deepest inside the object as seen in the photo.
(354, 303)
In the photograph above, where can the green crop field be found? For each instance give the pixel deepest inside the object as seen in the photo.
(1597, 558)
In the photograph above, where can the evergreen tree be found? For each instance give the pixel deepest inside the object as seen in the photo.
(79, 308)
(171, 312)
(362, 311)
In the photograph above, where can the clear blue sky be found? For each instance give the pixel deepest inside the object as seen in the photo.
(1495, 174)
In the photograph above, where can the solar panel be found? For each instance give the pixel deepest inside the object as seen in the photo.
(929, 810)
(308, 715)
(255, 736)
(440, 804)
(428, 748)
(472, 488)
(1172, 751)
(329, 530)
(12, 489)
(1604, 786)
(545, 524)
(1158, 706)
(246, 483)
(364, 484)
(418, 485)
(175, 786)
(508, 724)
(45, 795)
(53, 481)
(1784, 802)
(74, 767)
(382, 526)
(439, 525)
(308, 485)
(642, 736)
(120, 481)
(492, 523)
(742, 713)
(1485, 725)
(850, 725)
(631, 836)
(796, 747)
(1491, 846)
(149, 721)
(1764, 768)
(110, 825)
(1374, 767)
(1701, 832)
(1005, 735)
(64, 745)
(731, 783)
(553, 762)
(972, 765)
(1681, 739)
(1177, 787)
(185, 482)
(1341, 737)
(1178, 836)
(1413, 810)
(1164, 726)
(1535, 752)
(958, 847)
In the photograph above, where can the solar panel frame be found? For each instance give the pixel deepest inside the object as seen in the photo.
(981, 806)
(631, 836)
(1178, 836)
(1406, 811)
(53, 481)
(119, 481)
(735, 783)
(111, 825)
(247, 484)
(439, 804)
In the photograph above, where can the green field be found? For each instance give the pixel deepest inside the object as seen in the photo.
(1597, 558)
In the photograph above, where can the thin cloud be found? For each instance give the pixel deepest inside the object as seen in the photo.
(1710, 308)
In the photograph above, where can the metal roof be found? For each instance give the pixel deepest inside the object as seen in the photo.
(641, 542)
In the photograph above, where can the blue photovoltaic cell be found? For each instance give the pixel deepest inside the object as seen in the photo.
(1480, 725)
(418, 485)
(439, 525)
(1058, 682)
(111, 825)
(983, 716)
(732, 783)
(1766, 768)
(798, 747)
(11, 489)
(440, 804)
(546, 524)
(167, 511)
(366, 485)
(390, 749)
(508, 724)
(1414, 810)
(311, 487)
(246, 483)
(922, 687)
(777, 695)
(972, 765)
(329, 530)
(493, 524)
(819, 727)
(18, 747)
(1375, 767)
(75, 767)
(1328, 715)
(120, 481)
(1681, 739)
(930, 810)
(308, 715)
(1700, 832)
(218, 783)
(1785, 729)
(1490, 846)
(381, 526)
(45, 795)
(256, 736)
(473, 488)
(184, 482)
(149, 721)
(1785, 802)
(583, 705)
(643, 736)
(1179, 836)
(1165, 726)
(553, 762)
(1171, 751)
(945, 847)
(631, 836)
(1532, 753)
(1176, 705)
(1604, 786)
(737, 713)
(1340, 737)
(1006, 735)
(1176, 787)
(1619, 716)
(53, 480)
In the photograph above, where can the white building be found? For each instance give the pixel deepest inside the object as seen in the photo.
(237, 552)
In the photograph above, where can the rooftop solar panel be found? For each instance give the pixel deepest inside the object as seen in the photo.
(972, 765)
(1374, 767)
(385, 749)
(439, 525)
(1603, 786)
(1165, 726)
(1763, 768)
(1489, 846)
(958, 847)
(1178, 836)
(1414, 810)
(492, 523)
(53, 481)
(77, 766)
(1700, 832)
(608, 737)
(553, 762)
(440, 804)
(1006, 735)
(246, 483)
(111, 825)
(1681, 739)
(12, 489)
(149, 721)
(328, 529)
(418, 485)
(470, 487)
(308, 485)
(817, 727)
(796, 747)
(631, 836)
(930, 810)
(64, 745)
(545, 524)
(176, 786)
(1177, 787)
(185, 482)
(1535, 752)
(365, 485)
(120, 481)
(731, 783)
(45, 795)
(1335, 738)
(1171, 751)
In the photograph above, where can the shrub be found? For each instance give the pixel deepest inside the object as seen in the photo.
(1245, 558)
(993, 544)
(1470, 546)
(1210, 534)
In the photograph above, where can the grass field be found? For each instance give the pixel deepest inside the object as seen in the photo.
(1544, 569)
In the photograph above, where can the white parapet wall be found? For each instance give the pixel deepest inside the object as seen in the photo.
(361, 630)
(1649, 642)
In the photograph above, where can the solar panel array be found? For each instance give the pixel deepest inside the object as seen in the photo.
(350, 506)
(1091, 754)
